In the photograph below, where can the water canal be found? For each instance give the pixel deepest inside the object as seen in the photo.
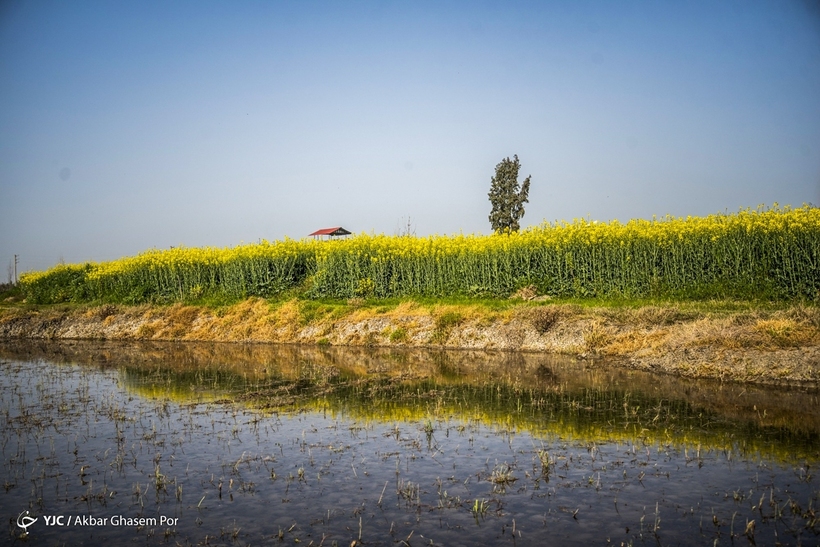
(230, 444)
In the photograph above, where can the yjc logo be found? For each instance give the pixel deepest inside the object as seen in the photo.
(25, 521)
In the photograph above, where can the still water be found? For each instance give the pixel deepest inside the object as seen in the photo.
(209, 444)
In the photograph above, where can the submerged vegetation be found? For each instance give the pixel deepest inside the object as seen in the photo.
(751, 254)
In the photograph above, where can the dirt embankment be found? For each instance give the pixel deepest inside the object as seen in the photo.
(777, 347)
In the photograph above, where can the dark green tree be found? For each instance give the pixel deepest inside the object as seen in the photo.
(507, 197)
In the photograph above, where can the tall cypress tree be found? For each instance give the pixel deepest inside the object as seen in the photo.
(507, 197)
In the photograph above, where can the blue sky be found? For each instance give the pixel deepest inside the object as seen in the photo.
(133, 125)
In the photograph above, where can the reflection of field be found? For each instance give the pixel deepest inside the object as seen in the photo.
(545, 395)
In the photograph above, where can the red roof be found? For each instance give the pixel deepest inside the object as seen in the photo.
(337, 231)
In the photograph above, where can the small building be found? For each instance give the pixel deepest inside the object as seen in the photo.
(338, 231)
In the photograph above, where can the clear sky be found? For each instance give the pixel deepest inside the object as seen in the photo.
(131, 125)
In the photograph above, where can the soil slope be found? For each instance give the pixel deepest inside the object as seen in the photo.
(759, 346)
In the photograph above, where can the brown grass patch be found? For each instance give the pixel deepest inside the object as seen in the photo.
(287, 315)
(597, 335)
(637, 341)
(660, 315)
(808, 315)
(525, 293)
(783, 333)
(717, 333)
(543, 318)
(146, 331)
(408, 308)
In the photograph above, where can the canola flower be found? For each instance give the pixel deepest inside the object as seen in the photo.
(774, 252)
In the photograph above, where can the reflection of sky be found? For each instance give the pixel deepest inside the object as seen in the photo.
(127, 127)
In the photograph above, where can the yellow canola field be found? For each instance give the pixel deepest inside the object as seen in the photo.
(773, 252)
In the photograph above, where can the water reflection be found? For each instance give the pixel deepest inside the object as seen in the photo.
(255, 444)
(540, 394)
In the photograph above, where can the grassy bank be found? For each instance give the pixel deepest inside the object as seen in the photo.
(769, 254)
(729, 339)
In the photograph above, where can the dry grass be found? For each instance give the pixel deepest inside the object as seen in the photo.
(781, 333)
(597, 335)
(804, 315)
(660, 316)
(635, 342)
(680, 340)
(544, 318)
(525, 293)
(407, 308)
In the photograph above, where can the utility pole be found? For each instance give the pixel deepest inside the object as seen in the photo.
(16, 259)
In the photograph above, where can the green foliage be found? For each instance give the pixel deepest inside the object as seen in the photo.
(10, 292)
(65, 283)
(507, 197)
(365, 288)
(311, 311)
(444, 325)
(448, 320)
